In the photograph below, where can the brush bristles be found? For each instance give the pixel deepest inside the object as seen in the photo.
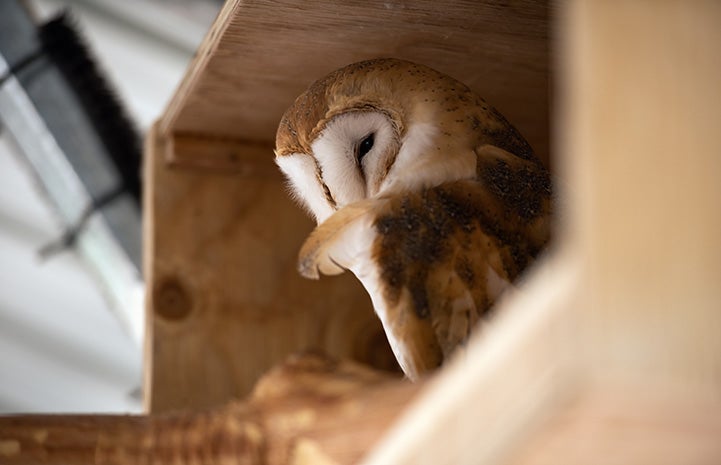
(68, 51)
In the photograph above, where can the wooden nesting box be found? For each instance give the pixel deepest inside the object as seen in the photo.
(611, 351)
(225, 300)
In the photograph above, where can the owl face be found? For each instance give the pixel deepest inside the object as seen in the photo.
(380, 127)
(354, 153)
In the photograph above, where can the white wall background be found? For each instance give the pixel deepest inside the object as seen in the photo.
(61, 348)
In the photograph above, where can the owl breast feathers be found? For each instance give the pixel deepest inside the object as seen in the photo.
(421, 189)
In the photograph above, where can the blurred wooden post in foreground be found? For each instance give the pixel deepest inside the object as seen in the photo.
(613, 355)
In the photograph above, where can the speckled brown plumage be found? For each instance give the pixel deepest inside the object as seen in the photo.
(435, 244)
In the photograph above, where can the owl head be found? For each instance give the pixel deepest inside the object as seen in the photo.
(384, 126)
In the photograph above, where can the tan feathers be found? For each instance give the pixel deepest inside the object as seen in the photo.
(438, 215)
(338, 242)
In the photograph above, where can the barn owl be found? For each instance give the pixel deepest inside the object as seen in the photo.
(421, 189)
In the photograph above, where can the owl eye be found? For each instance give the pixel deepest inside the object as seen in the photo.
(365, 146)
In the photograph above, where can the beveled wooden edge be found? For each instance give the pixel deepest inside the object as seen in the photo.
(197, 65)
(153, 146)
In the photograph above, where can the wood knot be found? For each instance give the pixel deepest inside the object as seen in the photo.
(171, 299)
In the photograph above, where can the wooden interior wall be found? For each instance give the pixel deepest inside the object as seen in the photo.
(225, 300)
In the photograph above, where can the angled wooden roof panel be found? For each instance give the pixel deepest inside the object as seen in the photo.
(260, 55)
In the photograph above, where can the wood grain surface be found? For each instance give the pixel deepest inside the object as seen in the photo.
(260, 55)
(308, 410)
(225, 301)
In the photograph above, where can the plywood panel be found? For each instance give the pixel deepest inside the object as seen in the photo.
(225, 301)
(260, 55)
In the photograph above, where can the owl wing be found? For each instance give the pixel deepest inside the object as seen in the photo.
(435, 260)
